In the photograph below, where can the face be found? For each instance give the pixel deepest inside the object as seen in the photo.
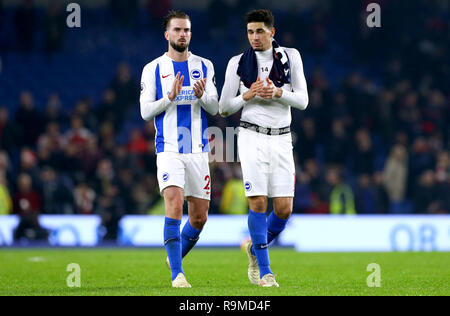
(179, 34)
(260, 36)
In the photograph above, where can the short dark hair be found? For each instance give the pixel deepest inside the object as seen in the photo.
(174, 14)
(262, 15)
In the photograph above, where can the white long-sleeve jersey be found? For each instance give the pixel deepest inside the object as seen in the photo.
(181, 125)
(274, 113)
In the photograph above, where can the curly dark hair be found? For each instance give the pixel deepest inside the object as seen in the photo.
(262, 15)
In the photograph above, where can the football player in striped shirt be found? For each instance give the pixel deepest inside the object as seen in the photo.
(178, 91)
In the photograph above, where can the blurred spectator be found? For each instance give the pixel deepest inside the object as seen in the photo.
(233, 194)
(9, 132)
(110, 205)
(425, 194)
(29, 120)
(338, 145)
(147, 198)
(107, 140)
(341, 198)
(365, 199)
(56, 193)
(29, 229)
(105, 176)
(47, 157)
(29, 164)
(307, 140)
(78, 134)
(421, 159)
(351, 89)
(83, 109)
(6, 170)
(383, 114)
(111, 208)
(408, 113)
(126, 90)
(303, 196)
(137, 144)
(54, 27)
(364, 153)
(122, 160)
(320, 190)
(71, 164)
(218, 172)
(125, 181)
(25, 21)
(443, 167)
(54, 111)
(5, 197)
(395, 175)
(52, 139)
(109, 110)
(26, 200)
(84, 198)
(90, 156)
(381, 195)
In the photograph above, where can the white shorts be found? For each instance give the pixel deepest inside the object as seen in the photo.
(267, 163)
(187, 171)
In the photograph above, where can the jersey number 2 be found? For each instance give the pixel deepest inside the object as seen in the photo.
(208, 179)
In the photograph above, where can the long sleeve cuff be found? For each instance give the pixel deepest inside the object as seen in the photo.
(298, 100)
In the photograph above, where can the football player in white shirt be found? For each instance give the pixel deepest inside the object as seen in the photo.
(270, 81)
(177, 90)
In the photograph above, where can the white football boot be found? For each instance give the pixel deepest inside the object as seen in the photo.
(180, 281)
(268, 280)
(253, 269)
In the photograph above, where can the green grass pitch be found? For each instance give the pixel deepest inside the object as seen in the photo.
(220, 272)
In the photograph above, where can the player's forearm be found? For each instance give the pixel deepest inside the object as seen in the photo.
(298, 100)
(230, 106)
(151, 109)
(209, 103)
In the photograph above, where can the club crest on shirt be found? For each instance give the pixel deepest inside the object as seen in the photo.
(165, 176)
(196, 74)
(248, 186)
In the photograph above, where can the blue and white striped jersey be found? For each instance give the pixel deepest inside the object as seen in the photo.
(181, 125)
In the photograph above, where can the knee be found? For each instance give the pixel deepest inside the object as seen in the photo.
(174, 200)
(258, 204)
(283, 212)
(199, 220)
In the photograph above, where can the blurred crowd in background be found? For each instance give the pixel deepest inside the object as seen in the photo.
(374, 139)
